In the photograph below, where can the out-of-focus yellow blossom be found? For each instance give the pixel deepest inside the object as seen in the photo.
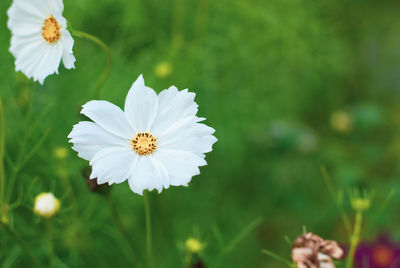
(60, 152)
(360, 204)
(193, 245)
(163, 69)
(46, 205)
(342, 121)
(4, 217)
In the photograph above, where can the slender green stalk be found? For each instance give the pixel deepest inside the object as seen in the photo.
(107, 71)
(52, 255)
(178, 13)
(331, 188)
(2, 145)
(121, 228)
(148, 229)
(21, 162)
(277, 257)
(236, 240)
(354, 239)
(24, 247)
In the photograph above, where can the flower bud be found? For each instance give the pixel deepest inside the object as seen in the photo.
(193, 245)
(46, 205)
(163, 69)
(60, 153)
(342, 121)
(360, 204)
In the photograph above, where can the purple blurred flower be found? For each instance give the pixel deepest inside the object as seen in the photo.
(381, 253)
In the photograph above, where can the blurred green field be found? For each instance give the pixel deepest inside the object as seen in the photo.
(269, 76)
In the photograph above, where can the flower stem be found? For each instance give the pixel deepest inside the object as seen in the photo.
(51, 245)
(106, 73)
(24, 247)
(121, 228)
(2, 145)
(148, 229)
(354, 239)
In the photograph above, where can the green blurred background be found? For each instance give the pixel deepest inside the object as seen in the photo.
(289, 85)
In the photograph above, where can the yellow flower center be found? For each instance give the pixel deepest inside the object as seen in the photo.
(144, 143)
(51, 30)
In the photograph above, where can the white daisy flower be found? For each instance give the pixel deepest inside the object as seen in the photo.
(156, 142)
(40, 38)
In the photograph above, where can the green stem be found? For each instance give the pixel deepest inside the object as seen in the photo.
(178, 13)
(2, 145)
(121, 228)
(148, 229)
(106, 73)
(235, 241)
(24, 247)
(51, 244)
(331, 188)
(354, 239)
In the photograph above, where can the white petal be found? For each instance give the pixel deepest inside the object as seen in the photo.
(28, 62)
(68, 56)
(19, 43)
(37, 9)
(192, 137)
(181, 165)
(113, 164)
(49, 63)
(148, 175)
(141, 106)
(108, 116)
(174, 106)
(89, 138)
(87, 151)
(57, 6)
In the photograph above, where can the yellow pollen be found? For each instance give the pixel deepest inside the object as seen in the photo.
(144, 143)
(51, 30)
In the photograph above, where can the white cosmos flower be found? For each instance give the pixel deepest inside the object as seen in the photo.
(156, 142)
(40, 38)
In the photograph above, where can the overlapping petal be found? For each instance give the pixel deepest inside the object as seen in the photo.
(89, 138)
(174, 106)
(109, 117)
(180, 165)
(113, 164)
(148, 174)
(141, 106)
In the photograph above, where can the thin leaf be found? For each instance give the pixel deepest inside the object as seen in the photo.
(277, 257)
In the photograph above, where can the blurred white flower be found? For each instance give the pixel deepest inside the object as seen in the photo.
(46, 205)
(40, 38)
(156, 142)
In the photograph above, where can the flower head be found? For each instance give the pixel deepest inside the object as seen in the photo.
(360, 201)
(60, 153)
(46, 205)
(193, 245)
(342, 121)
(40, 39)
(163, 69)
(311, 251)
(381, 253)
(156, 142)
